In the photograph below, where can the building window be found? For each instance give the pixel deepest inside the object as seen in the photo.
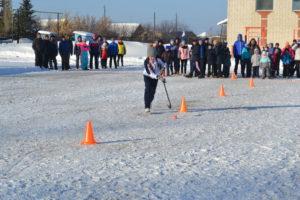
(264, 4)
(296, 5)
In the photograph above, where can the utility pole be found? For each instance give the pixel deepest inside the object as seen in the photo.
(104, 11)
(176, 23)
(58, 24)
(154, 26)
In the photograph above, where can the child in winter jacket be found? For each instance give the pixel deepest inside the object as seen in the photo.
(265, 64)
(255, 60)
(287, 57)
(246, 61)
(276, 60)
(84, 56)
(184, 56)
(104, 55)
(77, 51)
(227, 61)
(167, 57)
(121, 52)
(211, 60)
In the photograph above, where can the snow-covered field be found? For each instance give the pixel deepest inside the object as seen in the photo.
(243, 146)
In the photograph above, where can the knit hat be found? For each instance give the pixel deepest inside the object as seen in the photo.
(150, 51)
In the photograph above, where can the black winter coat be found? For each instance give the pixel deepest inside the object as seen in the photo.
(196, 52)
(211, 55)
(220, 53)
(53, 49)
(38, 45)
(160, 50)
(47, 49)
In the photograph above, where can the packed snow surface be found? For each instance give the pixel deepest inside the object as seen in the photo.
(243, 146)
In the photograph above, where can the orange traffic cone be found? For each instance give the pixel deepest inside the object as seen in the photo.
(183, 107)
(233, 77)
(251, 84)
(89, 135)
(222, 91)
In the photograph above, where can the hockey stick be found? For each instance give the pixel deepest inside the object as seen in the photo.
(169, 105)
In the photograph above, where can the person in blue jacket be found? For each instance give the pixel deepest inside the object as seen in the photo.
(112, 53)
(237, 51)
(65, 51)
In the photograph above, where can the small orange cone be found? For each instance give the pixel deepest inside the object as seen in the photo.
(233, 77)
(251, 84)
(89, 135)
(183, 107)
(222, 91)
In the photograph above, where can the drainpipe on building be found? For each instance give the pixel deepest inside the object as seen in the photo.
(297, 35)
(264, 26)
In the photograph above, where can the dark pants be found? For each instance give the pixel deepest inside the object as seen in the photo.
(237, 61)
(38, 59)
(169, 68)
(111, 58)
(297, 68)
(150, 88)
(176, 64)
(277, 69)
(46, 60)
(120, 57)
(77, 61)
(53, 61)
(183, 66)
(226, 70)
(65, 62)
(246, 65)
(202, 68)
(255, 71)
(96, 57)
(104, 63)
(219, 69)
(195, 67)
(287, 70)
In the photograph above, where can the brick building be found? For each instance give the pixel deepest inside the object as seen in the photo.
(265, 20)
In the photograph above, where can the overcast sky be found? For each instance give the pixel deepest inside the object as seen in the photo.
(199, 15)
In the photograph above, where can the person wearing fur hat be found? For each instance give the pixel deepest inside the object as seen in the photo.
(265, 64)
(153, 70)
(287, 57)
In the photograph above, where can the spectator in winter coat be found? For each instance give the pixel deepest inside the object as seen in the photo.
(77, 51)
(276, 59)
(167, 57)
(184, 56)
(121, 52)
(160, 49)
(287, 57)
(255, 61)
(94, 52)
(46, 52)
(246, 62)
(174, 56)
(227, 61)
(265, 64)
(53, 52)
(203, 55)
(84, 55)
(65, 51)
(212, 59)
(104, 55)
(237, 51)
(112, 53)
(152, 72)
(195, 60)
(297, 60)
(220, 55)
(38, 47)
(271, 54)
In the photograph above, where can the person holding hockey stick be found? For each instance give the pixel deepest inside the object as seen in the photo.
(153, 71)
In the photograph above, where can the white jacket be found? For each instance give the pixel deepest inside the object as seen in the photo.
(153, 71)
(297, 54)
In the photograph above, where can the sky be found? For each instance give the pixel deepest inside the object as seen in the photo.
(199, 15)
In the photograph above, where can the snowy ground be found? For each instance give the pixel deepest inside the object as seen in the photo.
(243, 146)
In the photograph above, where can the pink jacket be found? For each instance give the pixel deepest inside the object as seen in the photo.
(184, 53)
(83, 46)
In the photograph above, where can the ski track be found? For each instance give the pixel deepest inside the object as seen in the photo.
(243, 146)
